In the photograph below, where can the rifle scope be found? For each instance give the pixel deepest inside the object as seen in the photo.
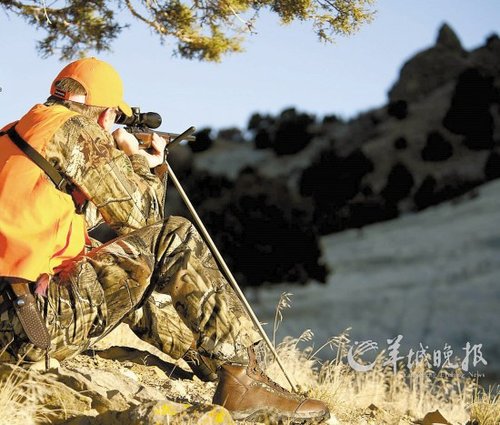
(140, 119)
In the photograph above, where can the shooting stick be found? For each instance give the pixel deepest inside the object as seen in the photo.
(227, 272)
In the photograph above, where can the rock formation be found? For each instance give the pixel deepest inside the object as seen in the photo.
(437, 137)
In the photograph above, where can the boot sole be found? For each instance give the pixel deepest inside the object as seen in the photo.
(275, 417)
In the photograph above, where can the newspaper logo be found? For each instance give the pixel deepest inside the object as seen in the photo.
(437, 358)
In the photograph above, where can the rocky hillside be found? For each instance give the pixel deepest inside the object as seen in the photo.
(267, 197)
(126, 381)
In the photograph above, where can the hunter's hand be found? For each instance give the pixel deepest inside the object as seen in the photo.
(129, 144)
(155, 154)
(126, 142)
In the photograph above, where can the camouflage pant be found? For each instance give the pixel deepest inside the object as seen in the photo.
(162, 280)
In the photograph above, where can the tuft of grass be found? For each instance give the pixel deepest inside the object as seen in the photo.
(283, 303)
(485, 409)
(20, 400)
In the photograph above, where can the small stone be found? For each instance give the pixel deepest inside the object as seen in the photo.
(129, 374)
(434, 418)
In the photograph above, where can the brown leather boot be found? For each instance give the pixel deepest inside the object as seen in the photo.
(249, 394)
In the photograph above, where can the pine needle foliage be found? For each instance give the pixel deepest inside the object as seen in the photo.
(201, 29)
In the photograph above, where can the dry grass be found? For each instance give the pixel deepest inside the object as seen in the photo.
(486, 408)
(20, 400)
(380, 396)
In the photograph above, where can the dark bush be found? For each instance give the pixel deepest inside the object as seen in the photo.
(262, 139)
(437, 148)
(204, 187)
(264, 234)
(334, 180)
(232, 134)
(479, 143)
(258, 121)
(400, 144)
(292, 132)
(469, 113)
(331, 119)
(426, 193)
(399, 184)
(432, 192)
(286, 134)
(492, 166)
(331, 181)
(398, 109)
(203, 140)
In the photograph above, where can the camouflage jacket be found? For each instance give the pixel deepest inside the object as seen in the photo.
(125, 192)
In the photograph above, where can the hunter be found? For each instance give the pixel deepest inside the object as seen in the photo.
(62, 171)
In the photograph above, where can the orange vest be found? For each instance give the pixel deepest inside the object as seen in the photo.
(39, 228)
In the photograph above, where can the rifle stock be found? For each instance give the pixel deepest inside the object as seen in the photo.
(145, 137)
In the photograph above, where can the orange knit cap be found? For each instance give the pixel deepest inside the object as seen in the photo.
(100, 80)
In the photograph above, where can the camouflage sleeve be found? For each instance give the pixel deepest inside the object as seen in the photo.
(124, 190)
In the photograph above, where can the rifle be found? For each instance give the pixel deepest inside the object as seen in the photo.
(141, 125)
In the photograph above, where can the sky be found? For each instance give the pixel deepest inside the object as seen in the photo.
(282, 66)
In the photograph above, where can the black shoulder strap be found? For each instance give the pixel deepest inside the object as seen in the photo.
(38, 159)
